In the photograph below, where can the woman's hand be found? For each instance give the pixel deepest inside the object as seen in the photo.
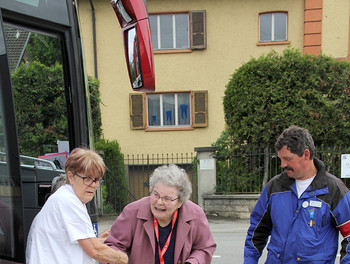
(123, 258)
(103, 236)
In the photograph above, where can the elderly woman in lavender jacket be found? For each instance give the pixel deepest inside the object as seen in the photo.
(164, 228)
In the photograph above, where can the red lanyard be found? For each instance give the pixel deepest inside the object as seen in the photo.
(162, 252)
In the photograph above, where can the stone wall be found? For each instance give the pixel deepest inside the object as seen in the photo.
(234, 206)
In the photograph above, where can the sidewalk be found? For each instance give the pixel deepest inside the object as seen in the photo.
(105, 223)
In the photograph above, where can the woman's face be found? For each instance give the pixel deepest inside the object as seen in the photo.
(163, 211)
(84, 192)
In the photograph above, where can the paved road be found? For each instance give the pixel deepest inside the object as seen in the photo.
(229, 234)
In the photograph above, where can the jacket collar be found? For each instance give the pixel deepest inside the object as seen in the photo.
(317, 183)
(186, 214)
(320, 180)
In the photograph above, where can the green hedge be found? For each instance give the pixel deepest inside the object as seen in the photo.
(115, 191)
(268, 94)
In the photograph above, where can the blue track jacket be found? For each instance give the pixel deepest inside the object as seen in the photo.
(303, 230)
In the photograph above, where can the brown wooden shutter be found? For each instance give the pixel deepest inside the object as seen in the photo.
(136, 104)
(198, 30)
(200, 108)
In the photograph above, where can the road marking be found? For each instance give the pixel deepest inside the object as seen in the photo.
(216, 256)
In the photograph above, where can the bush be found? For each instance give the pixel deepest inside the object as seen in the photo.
(116, 191)
(268, 94)
(95, 101)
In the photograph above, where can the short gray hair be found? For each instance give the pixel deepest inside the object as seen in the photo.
(57, 182)
(172, 176)
(297, 139)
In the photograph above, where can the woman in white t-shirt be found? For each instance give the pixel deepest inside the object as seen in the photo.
(62, 231)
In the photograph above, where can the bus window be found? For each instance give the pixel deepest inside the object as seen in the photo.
(50, 10)
(38, 89)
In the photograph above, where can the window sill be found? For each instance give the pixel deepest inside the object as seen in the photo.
(273, 43)
(171, 51)
(159, 129)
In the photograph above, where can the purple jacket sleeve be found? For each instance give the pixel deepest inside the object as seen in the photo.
(120, 238)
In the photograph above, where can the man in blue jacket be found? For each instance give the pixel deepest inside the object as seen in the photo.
(302, 209)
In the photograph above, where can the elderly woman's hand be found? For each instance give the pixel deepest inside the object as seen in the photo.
(104, 235)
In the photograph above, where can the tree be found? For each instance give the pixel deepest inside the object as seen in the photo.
(40, 106)
(266, 95)
(44, 49)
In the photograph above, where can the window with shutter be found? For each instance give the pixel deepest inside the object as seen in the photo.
(198, 30)
(200, 108)
(170, 31)
(169, 110)
(137, 118)
(178, 31)
(184, 110)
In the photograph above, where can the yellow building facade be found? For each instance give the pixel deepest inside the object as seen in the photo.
(233, 35)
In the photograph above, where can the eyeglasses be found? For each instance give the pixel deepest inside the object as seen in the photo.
(88, 181)
(166, 200)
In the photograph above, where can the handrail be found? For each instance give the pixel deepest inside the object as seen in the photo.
(36, 161)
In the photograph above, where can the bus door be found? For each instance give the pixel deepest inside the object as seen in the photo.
(11, 214)
(43, 100)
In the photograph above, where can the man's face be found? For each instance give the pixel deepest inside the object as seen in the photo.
(292, 163)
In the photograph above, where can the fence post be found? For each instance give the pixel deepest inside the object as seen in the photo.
(99, 196)
(206, 171)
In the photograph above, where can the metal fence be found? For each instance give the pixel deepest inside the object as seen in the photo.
(240, 172)
(243, 171)
(131, 183)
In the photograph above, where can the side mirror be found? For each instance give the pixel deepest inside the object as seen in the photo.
(133, 19)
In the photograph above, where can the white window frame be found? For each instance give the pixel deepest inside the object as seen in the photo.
(176, 112)
(159, 48)
(273, 27)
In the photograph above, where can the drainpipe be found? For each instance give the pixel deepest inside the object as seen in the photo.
(94, 36)
(99, 198)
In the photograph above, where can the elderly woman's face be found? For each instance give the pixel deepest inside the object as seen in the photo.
(164, 201)
(84, 192)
